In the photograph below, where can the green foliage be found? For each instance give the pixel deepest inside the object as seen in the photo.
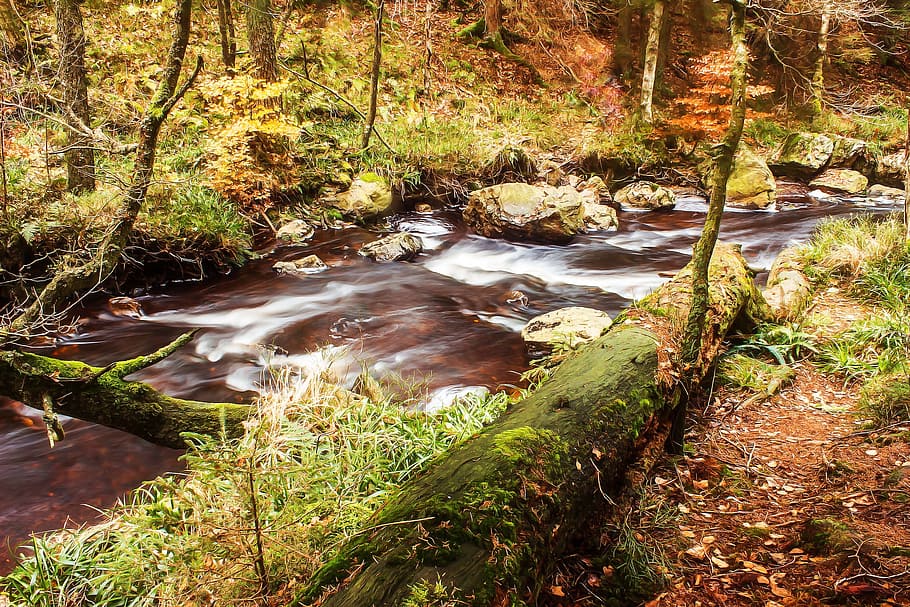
(315, 464)
(200, 215)
(743, 371)
(885, 124)
(886, 398)
(847, 248)
(766, 133)
(785, 343)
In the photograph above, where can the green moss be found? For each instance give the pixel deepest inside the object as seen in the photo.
(826, 536)
(371, 177)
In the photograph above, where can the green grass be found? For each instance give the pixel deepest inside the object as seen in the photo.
(315, 463)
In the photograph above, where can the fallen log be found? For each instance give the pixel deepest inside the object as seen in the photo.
(101, 395)
(789, 289)
(485, 522)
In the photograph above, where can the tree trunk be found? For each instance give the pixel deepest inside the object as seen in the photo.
(818, 74)
(696, 346)
(652, 51)
(907, 177)
(492, 18)
(487, 521)
(13, 29)
(227, 34)
(80, 155)
(261, 37)
(374, 77)
(622, 53)
(102, 396)
(67, 283)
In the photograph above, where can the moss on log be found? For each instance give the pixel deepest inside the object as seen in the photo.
(487, 519)
(102, 396)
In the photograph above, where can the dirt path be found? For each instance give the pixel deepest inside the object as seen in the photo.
(789, 501)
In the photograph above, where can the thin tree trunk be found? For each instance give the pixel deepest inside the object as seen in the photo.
(374, 77)
(663, 48)
(652, 51)
(492, 18)
(907, 177)
(260, 31)
(622, 53)
(227, 34)
(67, 283)
(80, 154)
(693, 341)
(818, 74)
(487, 522)
(13, 29)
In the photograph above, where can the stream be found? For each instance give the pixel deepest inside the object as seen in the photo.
(443, 321)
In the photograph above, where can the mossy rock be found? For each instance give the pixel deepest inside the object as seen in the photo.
(369, 197)
(645, 195)
(519, 211)
(751, 183)
(845, 181)
(826, 536)
(802, 155)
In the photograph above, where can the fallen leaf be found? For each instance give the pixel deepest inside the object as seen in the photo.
(720, 563)
(698, 551)
(557, 591)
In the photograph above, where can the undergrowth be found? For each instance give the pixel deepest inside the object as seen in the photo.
(250, 516)
(871, 258)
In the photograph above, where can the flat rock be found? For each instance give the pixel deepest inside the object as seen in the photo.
(882, 191)
(567, 327)
(400, 246)
(645, 195)
(311, 264)
(841, 180)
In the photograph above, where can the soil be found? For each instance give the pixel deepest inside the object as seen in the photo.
(786, 501)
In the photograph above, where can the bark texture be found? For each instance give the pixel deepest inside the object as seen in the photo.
(652, 55)
(103, 396)
(487, 520)
(80, 155)
(374, 76)
(818, 75)
(227, 34)
(260, 30)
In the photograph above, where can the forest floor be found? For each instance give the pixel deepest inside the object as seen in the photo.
(789, 500)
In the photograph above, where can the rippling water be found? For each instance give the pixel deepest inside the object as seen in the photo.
(443, 318)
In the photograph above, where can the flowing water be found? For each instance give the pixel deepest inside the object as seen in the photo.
(444, 320)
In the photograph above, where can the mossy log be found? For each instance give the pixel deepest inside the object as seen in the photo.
(487, 520)
(101, 395)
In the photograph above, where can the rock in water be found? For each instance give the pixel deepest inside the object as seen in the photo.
(296, 230)
(751, 183)
(646, 195)
(311, 264)
(564, 327)
(883, 191)
(395, 247)
(890, 170)
(841, 180)
(802, 155)
(853, 154)
(368, 197)
(520, 211)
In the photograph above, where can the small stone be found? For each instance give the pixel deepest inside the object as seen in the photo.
(567, 327)
(423, 208)
(395, 247)
(311, 264)
(124, 306)
(646, 195)
(296, 230)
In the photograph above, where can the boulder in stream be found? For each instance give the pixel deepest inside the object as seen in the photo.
(568, 327)
(751, 183)
(311, 264)
(521, 211)
(296, 230)
(369, 196)
(855, 154)
(645, 195)
(890, 170)
(802, 155)
(845, 181)
(400, 246)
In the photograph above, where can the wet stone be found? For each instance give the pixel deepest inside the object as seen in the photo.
(311, 264)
